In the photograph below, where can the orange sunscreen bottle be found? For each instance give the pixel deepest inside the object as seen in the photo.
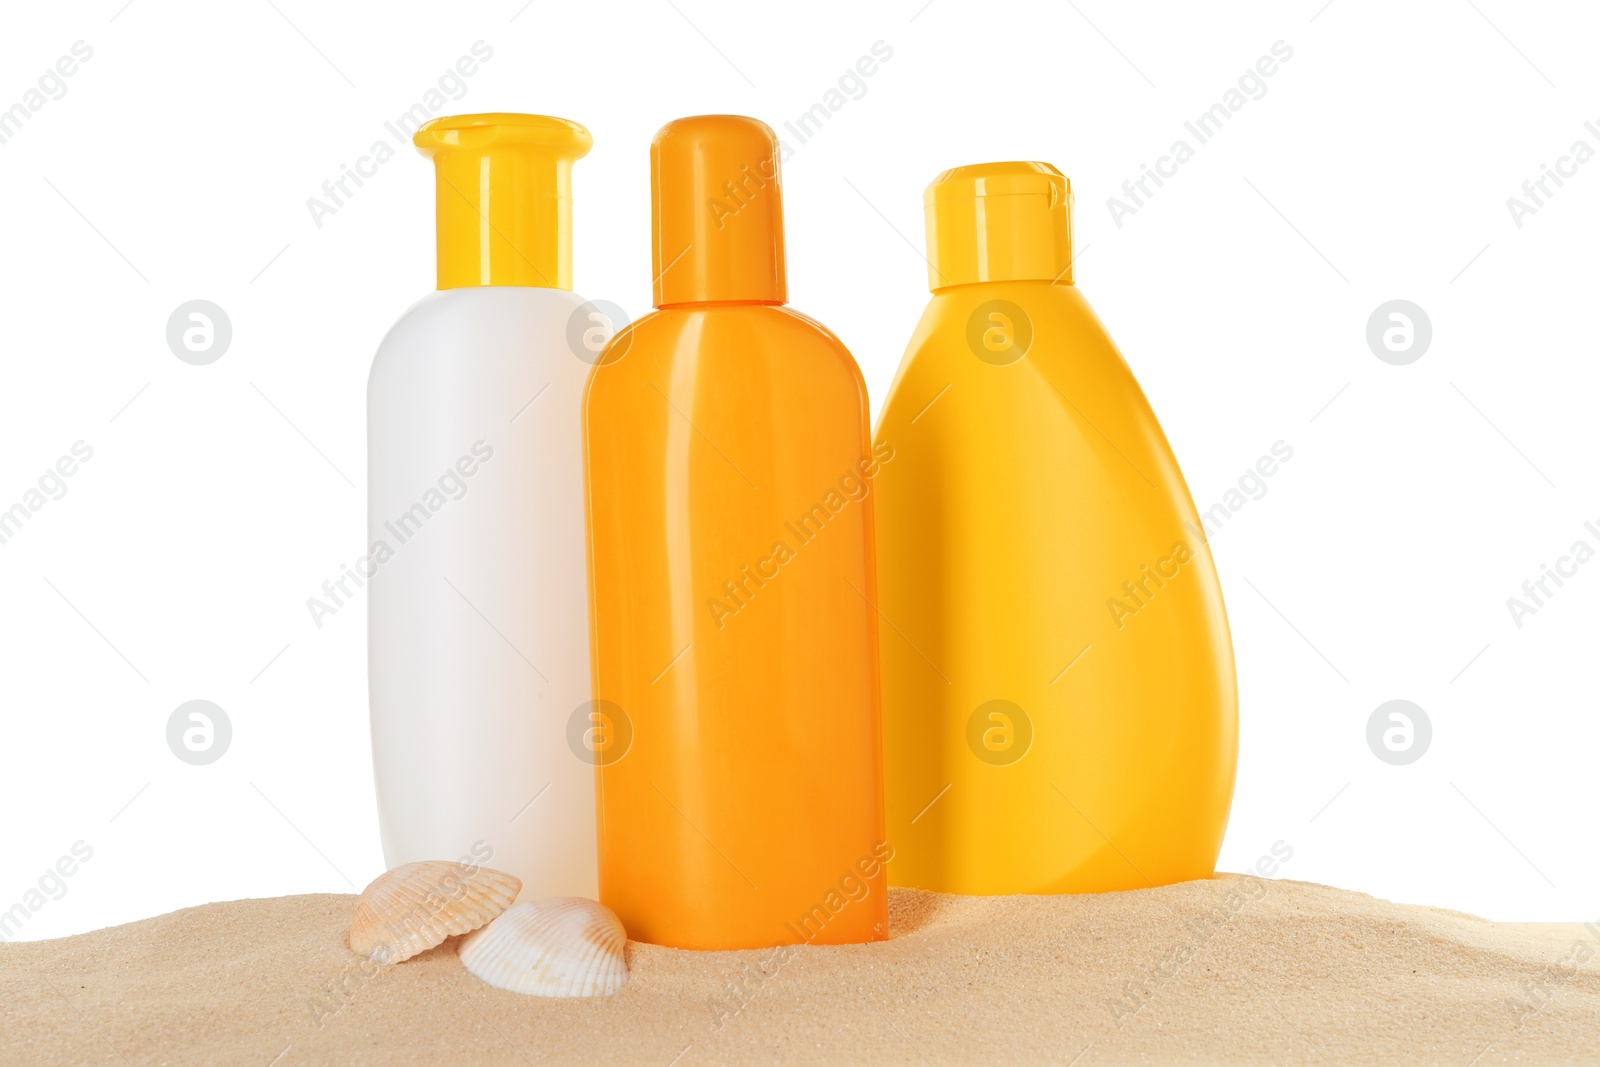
(1060, 714)
(735, 644)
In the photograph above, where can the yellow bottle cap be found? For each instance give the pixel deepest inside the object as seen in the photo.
(995, 222)
(504, 197)
(717, 201)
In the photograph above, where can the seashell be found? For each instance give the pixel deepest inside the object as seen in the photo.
(556, 947)
(417, 905)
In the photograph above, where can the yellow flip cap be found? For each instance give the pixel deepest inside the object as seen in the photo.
(996, 222)
(504, 197)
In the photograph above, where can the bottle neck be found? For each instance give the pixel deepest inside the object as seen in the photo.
(504, 217)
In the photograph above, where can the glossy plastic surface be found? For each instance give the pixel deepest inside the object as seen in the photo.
(735, 650)
(503, 192)
(477, 600)
(477, 604)
(997, 222)
(717, 212)
(1060, 711)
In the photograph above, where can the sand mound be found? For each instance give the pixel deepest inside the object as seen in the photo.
(1233, 970)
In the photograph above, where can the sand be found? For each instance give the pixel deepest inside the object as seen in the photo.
(1232, 970)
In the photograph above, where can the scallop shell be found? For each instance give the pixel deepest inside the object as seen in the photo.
(556, 947)
(417, 905)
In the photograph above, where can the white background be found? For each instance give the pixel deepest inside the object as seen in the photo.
(1377, 566)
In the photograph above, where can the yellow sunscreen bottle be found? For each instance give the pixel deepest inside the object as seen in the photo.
(1059, 706)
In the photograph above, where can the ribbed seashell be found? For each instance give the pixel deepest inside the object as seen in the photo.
(417, 905)
(556, 947)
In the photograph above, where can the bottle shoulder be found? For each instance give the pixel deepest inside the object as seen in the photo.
(451, 325)
(472, 306)
(1038, 315)
(770, 323)
(1007, 336)
(1029, 367)
(763, 356)
(707, 334)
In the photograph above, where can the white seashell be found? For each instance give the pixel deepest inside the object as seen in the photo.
(417, 905)
(556, 947)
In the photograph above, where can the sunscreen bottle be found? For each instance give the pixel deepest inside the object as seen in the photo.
(1060, 711)
(730, 474)
(477, 600)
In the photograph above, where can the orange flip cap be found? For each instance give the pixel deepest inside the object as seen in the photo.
(717, 199)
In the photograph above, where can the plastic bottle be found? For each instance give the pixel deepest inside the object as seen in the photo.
(477, 598)
(1060, 711)
(730, 523)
